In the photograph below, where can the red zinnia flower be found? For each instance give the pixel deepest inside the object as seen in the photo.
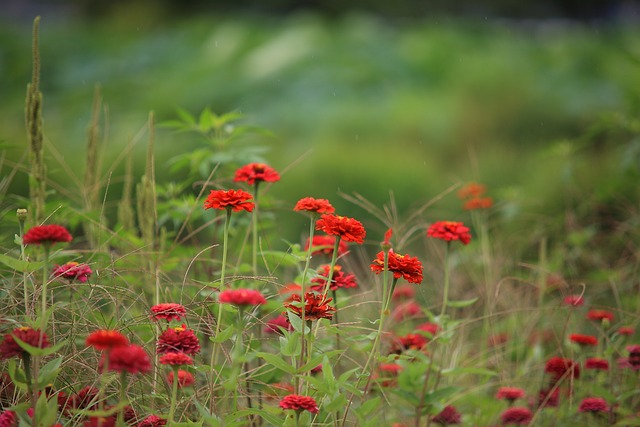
(510, 393)
(324, 245)
(548, 398)
(153, 421)
(73, 271)
(449, 230)
(430, 328)
(185, 378)
(34, 337)
(8, 419)
(178, 339)
(316, 306)
(168, 311)
(132, 358)
(100, 422)
(573, 300)
(403, 266)
(559, 367)
(309, 204)
(46, 234)
(349, 229)
(477, 203)
(597, 363)
(600, 315)
(408, 342)
(634, 356)
(105, 339)
(593, 404)
(256, 172)
(404, 291)
(86, 398)
(175, 358)
(242, 297)
(299, 403)
(626, 330)
(583, 340)
(236, 200)
(516, 415)
(339, 279)
(278, 324)
(449, 415)
(406, 310)
(472, 189)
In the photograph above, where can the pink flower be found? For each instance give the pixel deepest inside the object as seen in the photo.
(242, 297)
(73, 271)
(299, 403)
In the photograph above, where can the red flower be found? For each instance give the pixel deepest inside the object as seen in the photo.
(597, 363)
(349, 229)
(309, 204)
(634, 356)
(472, 189)
(175, 359)
(516, 415)
(105, 339)
(236, 200)
(408, 342)
(449, 415)
(132, 358)
(406, 310)
(325, 244)
(299, 403)
(404, 291)
(242, 297)
(477, 203)
(46, 234)
(559, 368)
(8, 419)
(73, 271)
(100, 422)
(86, 398)
(449, 230)
(256, 172)
(402, 266)
(431, 329)
(340, 279)
(583, 340)
(510, 393)
(34, 337)
(168, 311)
(178, 339)
(600, 315)
(316, 306)
(593, 404)
(153, 421)
(185, 378)
(278, 324)
(573, 300)
(548, 398)
(626, 330)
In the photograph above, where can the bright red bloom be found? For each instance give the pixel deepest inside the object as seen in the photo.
(34, 337)
(573, 300)
(408, 342)
(349, 229)
(339, 279)
(583, 340)
(510, 393)
(236, 200)
(449, 415)
(153, 421)
(626, 330)
(430, 328)
(593, 404)
(316, 306)
(8, 419)
(560, 367)
(309, 204)
(242, 297)
(178, 339)
(175, 359)
(185, 378)
(256, 172)
(406, 310)
(516, 415)
(597, 363)
(168, 311)
(324, 245)
(402, 266)
(600, 315)
(299, 403)
(477, 203)
(449, 230)
(46, 234)
(472, 189)
(105, 339)
(73, 271)
(278, 324)
(132, 358)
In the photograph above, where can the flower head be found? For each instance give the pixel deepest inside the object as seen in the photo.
(477, 203)
(256, 172)
(339, 279)
(548, 398)
(516, 415)
(175, 359)
(600, 315)
(153, 421)
(449, 230)
(324, 245)
(178, 339)
(46, 234)
(73, 271)
(8, 419)
(404, 291)
(235, 200)
(316, 306)
(34, 337)
(573, 300)
(319, 206)
(299, 403)
(168, 311)
(596, 363)
(105, 339)
(560, 367)
(634, 356)
(408, 342)
(406, 310)
(593, 405)
(242, 297)
(132, 358)
(449, 415)
(402, 266)
(472, 189)
(185, 378)
(583, 340)
(510, 393)
(278, 324)
(626, 331)
(430, 328)
(349, 229)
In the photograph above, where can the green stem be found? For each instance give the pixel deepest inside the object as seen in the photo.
(445, 297)
(45, 281)
(254, 230)
(174, 395)
(123, 395)
(23, 257)
(33, 394)
(334, 258)
(303, 291)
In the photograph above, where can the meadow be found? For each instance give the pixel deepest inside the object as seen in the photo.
(304, 222)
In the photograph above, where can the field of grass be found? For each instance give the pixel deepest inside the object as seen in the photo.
(530, 319)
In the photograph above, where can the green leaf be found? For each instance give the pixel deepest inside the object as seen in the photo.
(291, 344)
(206, 417)
(280, 259)
(462, 303)
(20, 265)
(35, 351)
(49, 372)
(367, 408)
(17, 375)
(46, 411)
(277, 362)
(223, 335)
(270, 418)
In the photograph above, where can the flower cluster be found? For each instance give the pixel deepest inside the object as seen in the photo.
(473, 197)
(339, 279)
(180, 339)
(317, 206)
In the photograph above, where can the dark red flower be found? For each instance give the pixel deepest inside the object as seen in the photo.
(408, 342)
(185, 378)
(449, 415)
(175, 359)
(168, 311)
(560, 367)
(406, 310)
(153, 421)
(549, 398)
(105, 339)
(402, 266)
(73, 271)
(178, 339)
(129, 415)
(349, 229)
(593, 405)
(573, 300)
(316, 306)
(600, 315)
(132, 358)
(596, 363)
(516, 415)
(510, 393)
(86, 398)
(242, 297)
(324, 245)
(278, 324)
(309, 204)
(34, 337)
(46, 234)
(626, 330)
(339, 279)
(256, 172)
(634, 356)
(449, 230)
(583, 340)
(8, 419)
(236, 200)
(299, 403)
(100, 422)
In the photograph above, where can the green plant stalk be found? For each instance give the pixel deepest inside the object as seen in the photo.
(23, 257)
(45, 281)
(174, 395)
(254, 230)
(334, 258)
(303, 291)
(123, 395)
(445, 297)
(33, 393)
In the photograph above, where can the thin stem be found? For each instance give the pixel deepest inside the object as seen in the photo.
(33, 395)
(334, 258)
(254, 230)
(123, 395)
(23, 257)
(445, 297)
(174, 395)
(303, 291)
(45, 281)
